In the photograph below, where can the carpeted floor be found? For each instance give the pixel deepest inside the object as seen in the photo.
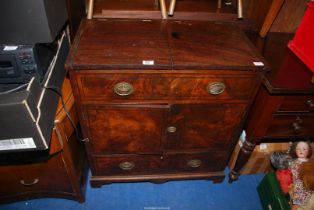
(174, 195)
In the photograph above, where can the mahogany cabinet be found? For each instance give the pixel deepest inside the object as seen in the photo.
(161, 100)
(60, 171)
(284, 105)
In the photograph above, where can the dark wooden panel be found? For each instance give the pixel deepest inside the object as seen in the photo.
(119, 129)
(110, 44)
(76, 11)
(121, 43)
(201, 44)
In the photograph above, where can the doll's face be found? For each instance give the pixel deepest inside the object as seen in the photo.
(302, 150)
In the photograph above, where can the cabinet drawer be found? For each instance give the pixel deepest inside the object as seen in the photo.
(291, 125)
(36, 177)
(164, 86)
(152, 164)
(298, 103)
(199, 162)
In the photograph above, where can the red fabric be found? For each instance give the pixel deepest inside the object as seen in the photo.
(284, 177)
(303, 41)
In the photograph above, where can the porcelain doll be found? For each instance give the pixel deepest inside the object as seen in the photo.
(301, 151)
(281, 160)
(306, 174)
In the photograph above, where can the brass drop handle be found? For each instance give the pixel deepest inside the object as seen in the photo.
(310, 102)
(296, 126)
(216, 88)
(171, 129)
(123, 89)
(126, 166)
(30, 183)
(194, 163)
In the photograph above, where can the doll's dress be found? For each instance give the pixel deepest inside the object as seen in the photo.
(300, 194)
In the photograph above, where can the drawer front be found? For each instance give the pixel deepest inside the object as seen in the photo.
(291, 125)
(298, 103)
(97, 87)
(18, 179)
(201, 162)
(158, 164)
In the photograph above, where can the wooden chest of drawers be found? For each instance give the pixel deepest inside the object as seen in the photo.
(60, 172)
(161, 100)
(284, 105)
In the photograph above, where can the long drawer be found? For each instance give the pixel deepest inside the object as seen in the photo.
(165, 86)
(289, 125)
(304, 103)
(152, 164)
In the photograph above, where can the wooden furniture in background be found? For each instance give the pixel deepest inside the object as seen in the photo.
(263, 13)
(59, 172)
(76, 11)
(148, 9)
(165, 100)
(289, 17)
(283, 109)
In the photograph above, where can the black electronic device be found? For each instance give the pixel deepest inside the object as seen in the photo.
(27, 116)
(31, 21)
(18, 64)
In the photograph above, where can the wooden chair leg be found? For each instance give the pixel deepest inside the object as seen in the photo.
(171, 7)
(219, 4)
(240, 9)
(90, 9)
(163, 9)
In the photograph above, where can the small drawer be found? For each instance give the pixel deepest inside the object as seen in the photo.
(198, 162)
(112, 86)
(203, 87)
(127, 165)
(298, 104)
(291, 125)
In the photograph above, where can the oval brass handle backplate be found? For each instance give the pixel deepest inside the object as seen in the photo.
(215, 88)
(127, 165)
(194, 163)
(123, 89)
(171, 129)
(30, 183)
(310, 103)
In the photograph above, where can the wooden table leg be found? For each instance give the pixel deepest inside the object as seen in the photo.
(243, 156)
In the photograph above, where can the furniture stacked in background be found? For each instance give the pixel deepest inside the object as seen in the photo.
(59, 172)
(283, 108)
